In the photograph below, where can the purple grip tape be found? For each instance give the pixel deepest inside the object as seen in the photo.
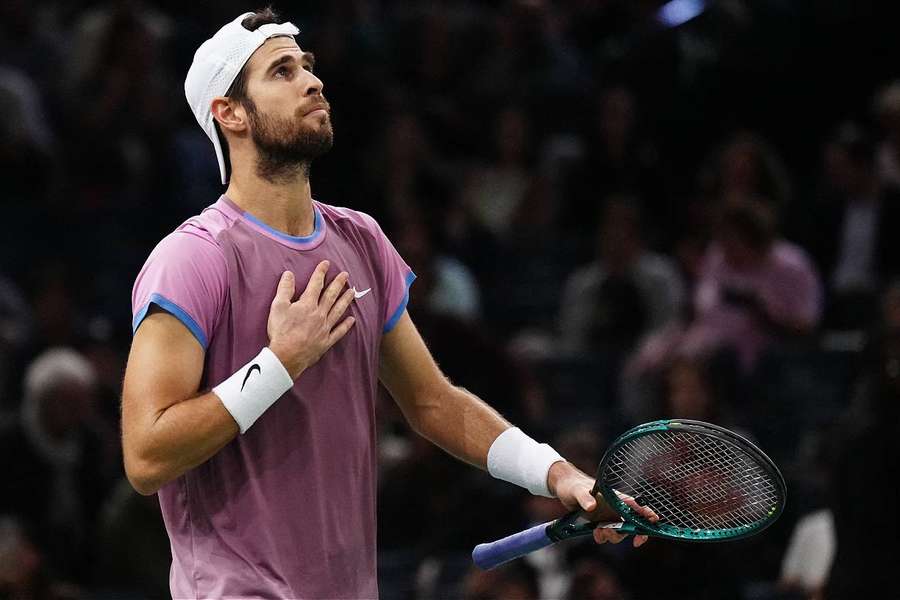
(493, 554)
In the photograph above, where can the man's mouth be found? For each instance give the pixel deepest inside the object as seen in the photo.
(319, 108)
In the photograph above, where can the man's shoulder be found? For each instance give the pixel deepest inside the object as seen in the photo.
(198, 235)
(209, 224)
(349, 217)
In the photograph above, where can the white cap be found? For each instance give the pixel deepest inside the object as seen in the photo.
(217, 62)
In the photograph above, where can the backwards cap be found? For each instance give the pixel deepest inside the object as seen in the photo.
(217, 63)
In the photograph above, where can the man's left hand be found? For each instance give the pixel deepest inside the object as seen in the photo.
(573, 488)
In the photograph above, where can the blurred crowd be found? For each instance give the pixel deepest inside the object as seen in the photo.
(615, 213)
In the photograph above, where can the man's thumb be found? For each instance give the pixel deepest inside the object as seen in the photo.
(586, 500)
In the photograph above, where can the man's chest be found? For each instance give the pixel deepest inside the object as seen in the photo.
(254, 272)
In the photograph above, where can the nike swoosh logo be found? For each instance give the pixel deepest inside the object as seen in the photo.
(249, 371)
(359, 295)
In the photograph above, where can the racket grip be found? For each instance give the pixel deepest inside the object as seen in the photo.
(493, 554)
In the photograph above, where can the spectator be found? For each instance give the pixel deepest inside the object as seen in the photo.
(745, 168)
(625, 294)
(444, 285)
(27, 145)
(852, 233)
(128, 118)
(755, 289)
(617, 161)
(403, 171)
(531, 265)
(494, 190)
(53, 460)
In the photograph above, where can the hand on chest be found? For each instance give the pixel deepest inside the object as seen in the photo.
(366, 304)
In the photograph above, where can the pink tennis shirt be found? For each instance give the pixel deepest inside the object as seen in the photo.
(286, 510)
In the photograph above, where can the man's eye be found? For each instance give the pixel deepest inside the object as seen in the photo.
(308, 68)
(282, 71)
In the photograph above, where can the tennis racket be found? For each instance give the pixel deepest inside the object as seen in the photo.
(706, 484)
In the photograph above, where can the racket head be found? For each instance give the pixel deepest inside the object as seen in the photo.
(706, 483)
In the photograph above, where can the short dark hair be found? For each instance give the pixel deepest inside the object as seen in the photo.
(237, 91)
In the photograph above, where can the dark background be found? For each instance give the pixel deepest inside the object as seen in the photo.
(533, 162)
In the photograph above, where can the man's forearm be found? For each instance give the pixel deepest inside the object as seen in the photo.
(460, 423)
(178, 439)
(466, 427)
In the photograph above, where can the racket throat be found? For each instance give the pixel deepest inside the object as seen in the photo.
(621, 527)
(575, 525)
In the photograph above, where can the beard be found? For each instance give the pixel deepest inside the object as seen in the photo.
(286, 147)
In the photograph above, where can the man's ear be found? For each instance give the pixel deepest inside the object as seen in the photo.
(229, 114)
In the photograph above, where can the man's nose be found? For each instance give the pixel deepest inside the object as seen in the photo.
(314, 85)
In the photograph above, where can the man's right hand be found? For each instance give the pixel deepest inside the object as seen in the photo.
(301, 332)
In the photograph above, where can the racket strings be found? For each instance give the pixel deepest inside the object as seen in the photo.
(696, 497)
(713, 495)
(693, 481)
(714, 501)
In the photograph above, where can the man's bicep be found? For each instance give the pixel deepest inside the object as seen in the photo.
(165, 366)
(407, 368)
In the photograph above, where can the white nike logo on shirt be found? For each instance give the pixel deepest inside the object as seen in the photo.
(359, 295)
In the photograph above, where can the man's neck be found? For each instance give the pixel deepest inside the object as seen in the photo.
(285, 206)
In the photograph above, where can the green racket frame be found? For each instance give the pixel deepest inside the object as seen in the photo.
(569, 525)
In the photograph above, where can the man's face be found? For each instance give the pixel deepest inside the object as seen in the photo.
(290, 120)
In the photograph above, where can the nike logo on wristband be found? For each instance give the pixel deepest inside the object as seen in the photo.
(249, 371)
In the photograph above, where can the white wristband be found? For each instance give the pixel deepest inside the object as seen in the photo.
(254, 388)
(518, 459)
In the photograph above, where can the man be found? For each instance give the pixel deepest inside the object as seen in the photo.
(625, 294)
(254, 418)
(852, 237)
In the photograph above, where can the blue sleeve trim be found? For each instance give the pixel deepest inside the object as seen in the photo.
(392, 322)
(178, 312)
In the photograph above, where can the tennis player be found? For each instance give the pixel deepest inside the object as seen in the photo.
(261, 328)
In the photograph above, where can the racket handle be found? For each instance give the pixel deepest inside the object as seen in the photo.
(494, 554)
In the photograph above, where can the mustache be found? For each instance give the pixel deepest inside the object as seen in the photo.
(305, 110)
